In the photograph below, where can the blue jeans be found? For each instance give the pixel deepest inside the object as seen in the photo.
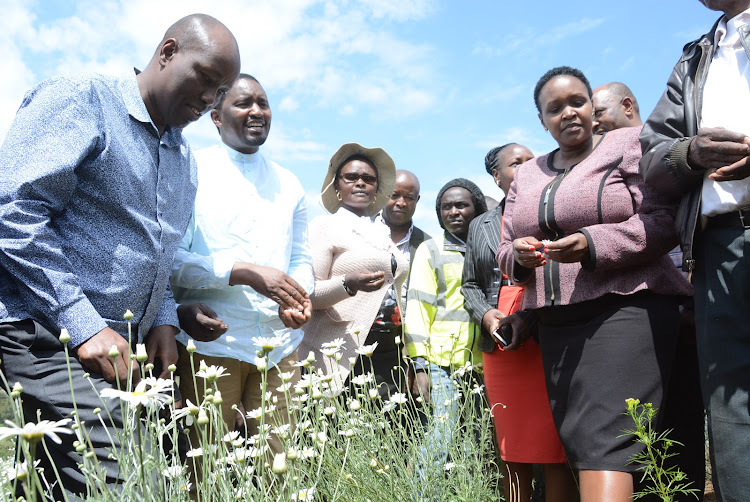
(447, 405)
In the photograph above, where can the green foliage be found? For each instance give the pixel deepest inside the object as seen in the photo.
(347, 444)
(662, 480)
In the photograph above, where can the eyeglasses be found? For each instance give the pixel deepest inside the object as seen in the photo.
(354, 177)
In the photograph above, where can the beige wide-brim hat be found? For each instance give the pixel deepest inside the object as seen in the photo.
(386, 176)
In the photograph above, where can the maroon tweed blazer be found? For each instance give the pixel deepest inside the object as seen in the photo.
(629, 228)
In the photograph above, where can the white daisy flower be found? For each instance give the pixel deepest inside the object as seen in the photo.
(336, 344)
(212, 372)
(33, 433)
(398, 398)
(268, 343)
(149, 392)
(19, 471)
(173, 471)
(305, 494)
(361, 380)
(367, 350)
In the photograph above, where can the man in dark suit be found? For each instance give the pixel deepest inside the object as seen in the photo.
(482, 276)
(398, 213)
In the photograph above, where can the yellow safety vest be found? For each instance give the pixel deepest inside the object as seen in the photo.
(437, 327)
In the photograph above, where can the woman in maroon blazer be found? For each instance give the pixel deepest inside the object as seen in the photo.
(589, 242)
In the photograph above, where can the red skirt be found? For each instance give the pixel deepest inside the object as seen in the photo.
(517, 394)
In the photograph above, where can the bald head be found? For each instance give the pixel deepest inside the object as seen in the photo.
(404, 177)
(615, 106)
(195, 32)
(197, 59)
(402, 204)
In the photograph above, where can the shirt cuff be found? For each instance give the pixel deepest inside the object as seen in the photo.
(81, 320)
(223, 266)
(420, 364)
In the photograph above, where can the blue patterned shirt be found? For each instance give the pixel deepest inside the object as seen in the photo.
(93, 204)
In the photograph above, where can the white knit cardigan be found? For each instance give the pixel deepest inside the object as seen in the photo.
(342, 243)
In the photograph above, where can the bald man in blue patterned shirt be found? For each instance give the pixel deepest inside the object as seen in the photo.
(97, 186)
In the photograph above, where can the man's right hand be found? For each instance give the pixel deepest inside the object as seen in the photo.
(714, 148)
(94, 356)
(271, 283)
(200, 322)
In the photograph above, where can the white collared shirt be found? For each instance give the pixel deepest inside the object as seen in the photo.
(726, 97)
(404, 247)
(252, 210)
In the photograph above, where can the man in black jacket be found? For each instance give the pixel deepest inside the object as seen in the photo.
(696, 149)
(398, 214)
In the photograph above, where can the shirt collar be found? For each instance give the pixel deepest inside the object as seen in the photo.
(727, 32)
(453, 243)
(136, 107)
(236, 156)
(406, 238)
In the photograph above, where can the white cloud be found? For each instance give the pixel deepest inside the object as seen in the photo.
(531, 40)
(398, 10)
(340, 56)
(288, 104)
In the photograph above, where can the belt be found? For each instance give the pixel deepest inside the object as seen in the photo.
(736, 219)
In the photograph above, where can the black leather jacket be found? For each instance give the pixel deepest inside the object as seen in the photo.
(667, 133)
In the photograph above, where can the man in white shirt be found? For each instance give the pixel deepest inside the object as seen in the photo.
(696, 146)
(246, 255)
(398, 214)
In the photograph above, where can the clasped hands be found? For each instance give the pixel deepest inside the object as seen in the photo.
(295, 307)
(530, 252)
(726, 153)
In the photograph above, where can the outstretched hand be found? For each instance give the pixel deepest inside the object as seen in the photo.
(271, 283)
(200, 322)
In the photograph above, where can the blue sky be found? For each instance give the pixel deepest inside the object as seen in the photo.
(435, 83)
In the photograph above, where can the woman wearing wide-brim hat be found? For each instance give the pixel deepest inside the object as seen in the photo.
(357, 271)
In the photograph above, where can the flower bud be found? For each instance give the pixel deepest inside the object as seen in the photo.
(279, 463)
(191, 346)
(202, 417)
(114, 352)
(261, 363)
(64, 336)
(311, 357)
(172, 368)
(140, 353)
(128, 315)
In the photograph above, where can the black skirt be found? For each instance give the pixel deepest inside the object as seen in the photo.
(596, 355)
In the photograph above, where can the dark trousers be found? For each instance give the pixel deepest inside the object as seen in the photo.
(722, 318)
(33, 356)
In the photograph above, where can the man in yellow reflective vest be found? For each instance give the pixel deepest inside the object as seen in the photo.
(440, 337)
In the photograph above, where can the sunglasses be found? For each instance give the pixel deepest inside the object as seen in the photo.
(354, 177)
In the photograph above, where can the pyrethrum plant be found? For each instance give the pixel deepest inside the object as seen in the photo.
(665, 481)
(340, 441)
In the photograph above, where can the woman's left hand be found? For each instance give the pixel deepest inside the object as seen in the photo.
(570, 249)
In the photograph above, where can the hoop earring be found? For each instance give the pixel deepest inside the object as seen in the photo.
(338, 195)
